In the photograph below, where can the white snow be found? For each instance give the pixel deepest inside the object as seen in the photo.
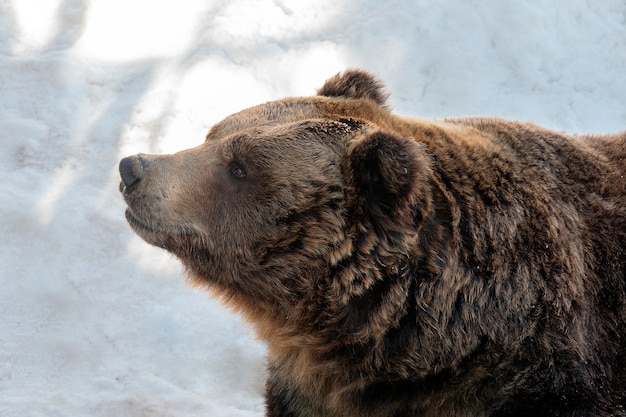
(95, 322)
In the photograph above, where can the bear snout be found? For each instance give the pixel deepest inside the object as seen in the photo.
(132, 169)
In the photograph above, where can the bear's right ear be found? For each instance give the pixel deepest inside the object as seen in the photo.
(387, 174)
(355, 84)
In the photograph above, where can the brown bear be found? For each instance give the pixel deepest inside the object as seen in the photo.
(404, 267)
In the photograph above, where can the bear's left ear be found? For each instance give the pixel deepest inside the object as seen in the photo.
(355, 84)
(388, 173)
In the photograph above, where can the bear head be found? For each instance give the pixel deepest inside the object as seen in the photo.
(290, 206)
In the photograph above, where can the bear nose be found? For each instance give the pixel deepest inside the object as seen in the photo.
(132, 169)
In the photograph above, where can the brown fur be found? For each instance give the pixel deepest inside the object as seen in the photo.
(400, 267)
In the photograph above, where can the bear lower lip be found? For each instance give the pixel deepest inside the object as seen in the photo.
(146, 228)
(168, 238)
(138, 224)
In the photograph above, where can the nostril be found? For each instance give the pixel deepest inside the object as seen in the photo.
(131, 170)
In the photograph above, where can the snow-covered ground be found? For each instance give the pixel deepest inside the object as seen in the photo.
(93, 321)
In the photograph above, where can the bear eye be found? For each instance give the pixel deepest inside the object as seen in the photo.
(237, 171)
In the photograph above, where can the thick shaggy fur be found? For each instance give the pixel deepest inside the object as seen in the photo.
(404, 267)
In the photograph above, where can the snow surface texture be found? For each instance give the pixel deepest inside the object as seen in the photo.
(93, 321)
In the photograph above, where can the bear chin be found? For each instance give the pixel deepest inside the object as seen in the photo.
(155, 233)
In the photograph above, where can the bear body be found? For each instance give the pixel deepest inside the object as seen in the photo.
(404, 267)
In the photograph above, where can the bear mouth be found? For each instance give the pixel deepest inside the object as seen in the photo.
(156, 232)
(140, 225)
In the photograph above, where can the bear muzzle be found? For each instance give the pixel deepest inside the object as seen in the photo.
(145, 211)
(152, 189)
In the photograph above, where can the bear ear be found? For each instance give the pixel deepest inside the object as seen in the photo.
(388, 172)
(356, 84)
